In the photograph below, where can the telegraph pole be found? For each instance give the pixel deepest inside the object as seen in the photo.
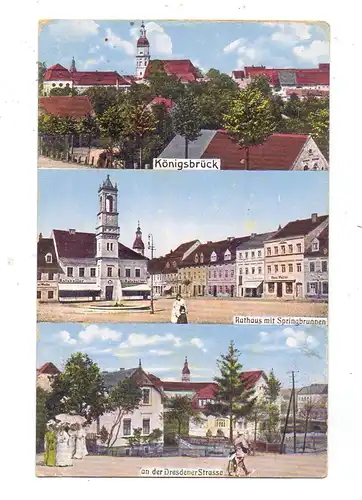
(152, 248)
(294, 412)
(286, 422)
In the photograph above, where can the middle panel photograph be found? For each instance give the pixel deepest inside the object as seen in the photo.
(181, 248)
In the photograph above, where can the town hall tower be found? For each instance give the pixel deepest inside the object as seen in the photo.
(143, 53)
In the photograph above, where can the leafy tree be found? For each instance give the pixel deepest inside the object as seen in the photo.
(41, 417)
(261, 83)
(209, 433)
(124, 397)
(272, 411)
(63, 91)
(319, 127)
(232, 400)
(140, 93)
(220, 433)
(78, 390)
(164, 85)
(312, 410)
(88, 125)
(41, 72)
(181, 411)
(104, 97)
(221, 80)
(257, 417)
(250, 119)
(153, 437)
(186, 118)
(103, 435)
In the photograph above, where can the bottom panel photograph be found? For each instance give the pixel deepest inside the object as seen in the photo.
(157, 400)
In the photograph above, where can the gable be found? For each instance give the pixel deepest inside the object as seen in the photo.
(310, 157)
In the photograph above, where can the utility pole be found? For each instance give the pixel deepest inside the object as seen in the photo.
(294, 412)
(152, 248)
(286, 422)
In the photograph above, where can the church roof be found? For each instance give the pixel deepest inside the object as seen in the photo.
(143, 42)
(57, 72)
(74, 106)
(138, 243)
(86, 78)
(108, 185)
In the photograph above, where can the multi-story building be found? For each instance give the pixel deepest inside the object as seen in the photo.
(250, 266)
(45, 375)
(284, 257)
(316, 267)
(313, 399)
(48, 271)
(96, 266)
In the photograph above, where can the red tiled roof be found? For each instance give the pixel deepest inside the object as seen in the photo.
(250, 378)
(183, 386)
(94, 78)
(238, 74)
(142, 42)
(126, 253)
(299, 227)
(75, 245)
(168, 103)
(56, 73)
(48, 369)
(74, 106)
(278, 152)
(181, 68)
(314, 76)
(307, 92)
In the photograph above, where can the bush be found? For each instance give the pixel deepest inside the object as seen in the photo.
(209, 433)
(103, 435)
(220, 433)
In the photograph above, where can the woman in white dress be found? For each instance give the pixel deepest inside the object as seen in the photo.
(80, 443)
(73, 430)
(64, 453)
(176, 308)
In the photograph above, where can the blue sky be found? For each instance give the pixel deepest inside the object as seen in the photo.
(162, 348)
(110, 45)
(177, 207)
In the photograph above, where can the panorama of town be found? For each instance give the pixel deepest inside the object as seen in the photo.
(128, 422)
(255, 118)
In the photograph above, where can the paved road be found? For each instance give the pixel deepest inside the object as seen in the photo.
(203, 310)
(308, 465)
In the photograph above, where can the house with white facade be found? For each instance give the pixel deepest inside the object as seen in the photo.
(316, 267)
(314, 399)
(48, 269)
(284, 257)
(250, 266)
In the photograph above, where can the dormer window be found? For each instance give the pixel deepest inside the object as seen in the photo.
(196, 258)
(201, 257)
(315, 246)
(168, 265)
(213, 257)
(174, 263)
(227, 255)
(48, 258)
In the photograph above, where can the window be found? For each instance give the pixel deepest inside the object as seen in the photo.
(240, 255)
(315, 246)
(259, 270)
(232, 273)
(194, 275)
(324, 266)
(127, 427)
(50, 294)
(271, 287)
(214, 274)
(93, 272)
(196, 258)
(268, 251)
(312, 287)
(81, 272)
(128, 272)
(312, 267)
(199, 289)
(210, 290)
(220, 274)
(70, 272)
(289, 288)
(276, 268)
(275, 250)
(246, 270)
(146, 426)
(325, 287)
(48, 258)
(220, 289)
(290, 248)
(226, 289)
(50, 276)
(226, 273)
(269, 269)
(220, 423)
(299, 247)
(283, 248)
(259, 253)
(240, 270)
(109, 204)
(253, 270)
(39, 276)
(283, 268)
(299, 268)
(137, 272)
(290, 268)
(246, 255)
(252, 255)
(109, 272)
(146, 396)
(38, 294)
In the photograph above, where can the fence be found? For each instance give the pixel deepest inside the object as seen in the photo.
(315, 443)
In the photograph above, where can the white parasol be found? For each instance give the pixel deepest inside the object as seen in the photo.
(64, 418)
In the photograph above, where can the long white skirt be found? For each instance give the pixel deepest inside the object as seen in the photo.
(64, 452)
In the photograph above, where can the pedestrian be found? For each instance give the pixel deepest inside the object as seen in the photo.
(80, 443)
(64, 451)
(50, 445)
(242, 447)
(178, 303)
(182, 319)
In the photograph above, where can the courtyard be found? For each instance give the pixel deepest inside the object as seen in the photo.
(266, 465)
(200, 310)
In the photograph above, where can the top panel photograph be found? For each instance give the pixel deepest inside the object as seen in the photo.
(184, 95)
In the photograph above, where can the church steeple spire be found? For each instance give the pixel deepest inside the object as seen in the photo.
(73, 69)
(142, 53)
(186, 372)
(138, 245)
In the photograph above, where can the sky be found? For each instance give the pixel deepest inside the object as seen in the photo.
(162, 348)
(226, 46)
(178, 206)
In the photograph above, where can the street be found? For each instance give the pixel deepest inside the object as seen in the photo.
(200, 310)
(267, 465)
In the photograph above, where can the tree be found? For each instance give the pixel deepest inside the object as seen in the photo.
(41, 417)
(250, 119)
(272, 388)
(153, 437)
(319, 127)
(78, 390)
(257, 417)
(104, 97)
(272, 410)
(41, 72)
(232, 400)
(186, 118)
(63, 91)
(103, 435)
(88, 125)
(136, 439)
(124, 397)
(181, 411)
(261, 83)
(311, 409)
(164, 85)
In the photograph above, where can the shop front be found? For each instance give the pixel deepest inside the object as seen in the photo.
(283, 287)
(252, 289)
(78, 292)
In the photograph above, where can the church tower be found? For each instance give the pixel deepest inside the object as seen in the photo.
(185, 372)
(138, 245)
(143, 53)
(72, 68)
(107, 234)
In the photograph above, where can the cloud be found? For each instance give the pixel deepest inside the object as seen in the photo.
(73, 30)
(95, 332)
(160, 352)
(317, 51)
(291, 33)
(141, 339)
(66, 338)
(113, 41)
(160, 41)
(94, 50)
(94, 62)
(198, 343)
(231, 47)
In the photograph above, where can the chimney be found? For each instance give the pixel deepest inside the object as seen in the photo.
(252, 235)
(71, 231)
(230, 238)
(40, 236)
(279, 227)
(121, 369)
(209, 242)
(314, 218)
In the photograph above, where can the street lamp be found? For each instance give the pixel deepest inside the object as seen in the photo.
(152, 248)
